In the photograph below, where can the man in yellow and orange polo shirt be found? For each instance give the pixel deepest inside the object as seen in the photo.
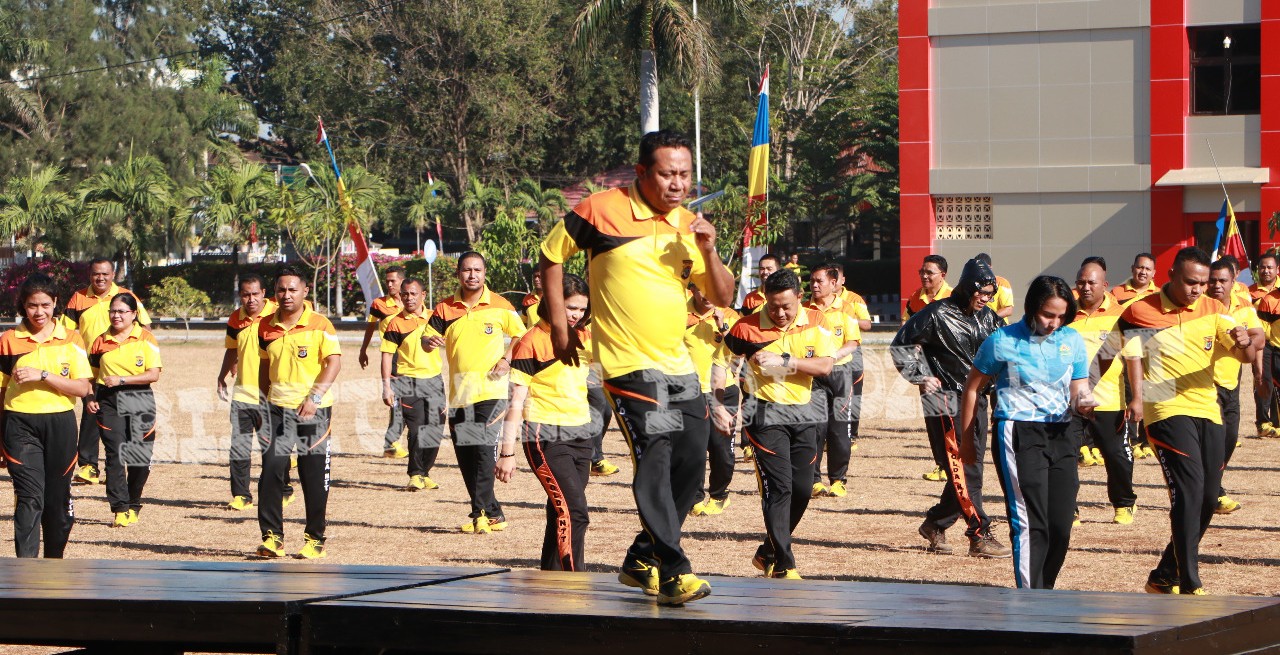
(476, 325)
(300, 361)
(1141, 281)
(380, 314)
(1268, 280)
(645, 249)
(833, 395)
(787, 345)
(769, 265)
(705, 328)
(411, 378)
(933, 285)
(248, 412)
(1171, 339)
(1227, 369)
(86, 313)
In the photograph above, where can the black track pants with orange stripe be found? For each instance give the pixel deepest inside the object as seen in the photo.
(561, 460)
(127, 421)
(476, 429)
(666, 422)
(962, 495)
(311, 440)
(41, 452)
(786, 448)
(421, 401)
(1190, 451)
(833, 393)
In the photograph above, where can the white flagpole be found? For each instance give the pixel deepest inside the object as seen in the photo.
(697, 126)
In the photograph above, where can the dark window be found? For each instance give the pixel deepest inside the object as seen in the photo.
(1206, 232)
(1226, 70)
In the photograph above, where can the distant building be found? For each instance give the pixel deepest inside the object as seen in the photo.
(1045, 131)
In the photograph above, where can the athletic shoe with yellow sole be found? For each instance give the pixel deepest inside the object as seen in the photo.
(748, 454)
(417, 483)
(603, 468)
(853, 445)
(682, 589)
(762, 564)
(122, 520)
(429, 484)
(838, 489)
(1198, 591)
(1268, 431)
(288, 500)
(789, 574)
(133, 516)
(395, 452)
(240, 503)
(710, 507)
(271, 546)
(1143, 451)
(638, 574)
(498, 524)
(478, 525)
(1156, 585)
(293, 461)
(1226, 505)
(1086, 457)
(1097, 457)
(313, 549)
(86, 474)
(936, 475)
(1124, 515)
(819, 490)
(1075, 522)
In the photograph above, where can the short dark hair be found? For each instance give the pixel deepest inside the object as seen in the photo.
(394, 269)
(1101, 262)
(468, 255)
(410, 280)
(984, 258)
(1229, 260)
(291, 271)
(249, 278)
(651, 142)
(1045, 288)
(936, 259)
(1269, 255)
(1147, 255)
(573, 286)
(1191, 254)
(830, 269)
(101, 260)
(782, 280)
(37, 283)
(776, 260)
(129, 301)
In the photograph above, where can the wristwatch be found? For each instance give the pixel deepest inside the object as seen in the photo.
(316, 398)
(44, 375)
(786, 360)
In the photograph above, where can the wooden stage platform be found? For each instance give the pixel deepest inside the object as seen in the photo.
(288, 607)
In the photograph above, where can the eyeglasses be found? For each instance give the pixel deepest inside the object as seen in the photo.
(984, 293)
(119, 312)
(925, 271)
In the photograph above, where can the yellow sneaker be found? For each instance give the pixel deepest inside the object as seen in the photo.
(936, 475)
(603, 468)
(417, 483)
(763, 565)
(1075, 522)
(1198, 591)
(638, 574)
(699, 508)
(682, 589)
(86, 474)
(313, 549)
(1086, 457)
(716, 506)
(818, 490)
(1097, 457)
(498, 525)
(480, 525)
(1268, 431)
(272, 546)
(240, 503)
(288, 500)
(789, 574)
(429, 484)
(122, 520)
(133, 516)
(748, 454)
(853, 446)
(1124, 515)
(1226, 505)
(837, 489)
(293, 461)
(1160, 586)
(396, 452)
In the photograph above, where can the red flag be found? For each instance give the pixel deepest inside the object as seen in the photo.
(321, 137)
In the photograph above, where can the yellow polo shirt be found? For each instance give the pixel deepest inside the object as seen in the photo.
(1178, 346)
(62, 353)
(87, 313)
(132, 355)
(806, 337)
(1226, 368)
(842, 323)
(404, 337)
(383, 310)
(242, 337)
(640, 265)
(295, 356)
(474, 343)
(753, 302)
(919, 299)
(557, 392)
(1003, 297)
(1099, 328)
(1126, 292)
(855, 304)
(703, 336)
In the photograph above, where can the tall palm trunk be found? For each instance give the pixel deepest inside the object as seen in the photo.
(648, 92)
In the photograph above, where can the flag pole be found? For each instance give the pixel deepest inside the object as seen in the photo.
(1218, 171)
(697, 125)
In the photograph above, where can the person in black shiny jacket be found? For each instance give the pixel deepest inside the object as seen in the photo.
(934, 350)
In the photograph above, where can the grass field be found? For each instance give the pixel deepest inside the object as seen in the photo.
(869, 535)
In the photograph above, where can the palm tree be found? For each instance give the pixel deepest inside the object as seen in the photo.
(430, 203)
(235, 197)
(654, 29)
(478, 199)
(16, 53)
(547, 205)
(32, 203)
(127, 206)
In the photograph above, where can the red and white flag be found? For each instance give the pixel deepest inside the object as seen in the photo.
(366, 272)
